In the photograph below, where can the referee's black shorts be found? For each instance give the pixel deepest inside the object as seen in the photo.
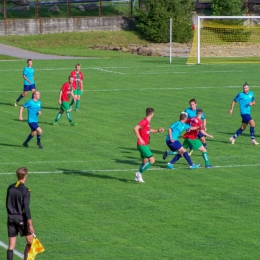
(17, 224)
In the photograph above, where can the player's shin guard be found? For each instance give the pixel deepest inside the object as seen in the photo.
(188, 159)
(145, 167)
(19, 98)
(175, 158)
(58, 117)
(69, 116)
(38, 138)
(238, 133)
(10, 254)
(29, 138)
(252, 132)
(77, 104)
(206, 158)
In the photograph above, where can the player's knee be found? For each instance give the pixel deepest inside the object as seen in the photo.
(39, 130)
(152, 160)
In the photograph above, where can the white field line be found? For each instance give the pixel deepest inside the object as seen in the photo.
(109, 71)
(132, 89)
(15, 251)
(126, 170)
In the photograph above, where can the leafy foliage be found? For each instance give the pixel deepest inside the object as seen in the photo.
(230, 7)
(153, 22)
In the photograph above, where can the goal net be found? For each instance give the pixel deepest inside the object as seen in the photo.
(226, 39)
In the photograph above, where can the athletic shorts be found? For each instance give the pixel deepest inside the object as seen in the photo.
(33, 126)
(64, 106)
(17, 224)
(77, 92)
(29, 87)
(246, 118)
(174, 146)
(194, 143)
(200, 135)
(145, 151)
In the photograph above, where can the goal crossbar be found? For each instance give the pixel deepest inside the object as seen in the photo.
(197, 41)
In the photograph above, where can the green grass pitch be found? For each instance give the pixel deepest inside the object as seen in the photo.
(85, 204)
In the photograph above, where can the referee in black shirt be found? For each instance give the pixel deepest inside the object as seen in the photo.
(19, 215)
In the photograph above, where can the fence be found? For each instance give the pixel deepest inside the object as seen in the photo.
(65, 8)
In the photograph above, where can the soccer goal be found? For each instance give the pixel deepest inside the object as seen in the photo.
(226, 39)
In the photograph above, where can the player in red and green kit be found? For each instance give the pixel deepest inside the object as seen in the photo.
(142, 131)
(64, 96)
(77, 85)
(191, 137)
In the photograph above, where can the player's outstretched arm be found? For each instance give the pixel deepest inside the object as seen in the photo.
(21, 113)
(206, 134)
(160, 130)
(231, 108)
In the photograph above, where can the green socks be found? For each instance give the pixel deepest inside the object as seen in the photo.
(206, 158)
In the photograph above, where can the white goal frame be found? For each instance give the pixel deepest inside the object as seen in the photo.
(199, 18)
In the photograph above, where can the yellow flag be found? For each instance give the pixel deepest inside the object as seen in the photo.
(36, 248)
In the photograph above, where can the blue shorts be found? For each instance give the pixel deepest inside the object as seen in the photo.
(175, 146)
(200, 135)
(246, 118)
(29, 87)
(33, 126)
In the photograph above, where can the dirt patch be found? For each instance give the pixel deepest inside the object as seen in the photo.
(159, 49)
(183, 50)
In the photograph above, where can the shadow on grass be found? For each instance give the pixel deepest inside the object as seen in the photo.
(20, 145)
(7, 104)
(90, 174)
(51, 108)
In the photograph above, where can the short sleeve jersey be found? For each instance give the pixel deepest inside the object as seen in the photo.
(78, 77)
(193, 113)
(244, 100)
(66, 91)
(33, 108)
(192, 134)
(29, 74)
(177, 128)
(144, 131)
(18, 199)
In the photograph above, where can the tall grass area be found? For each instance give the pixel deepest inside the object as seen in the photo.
(84, 201)
(76, 43)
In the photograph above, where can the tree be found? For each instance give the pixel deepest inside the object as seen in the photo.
(230, 7)
(153, 20)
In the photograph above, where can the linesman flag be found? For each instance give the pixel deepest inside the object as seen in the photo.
(36, 248)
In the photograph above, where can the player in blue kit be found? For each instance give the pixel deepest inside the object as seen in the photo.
(172, 142)
(246, 99)
(29, 84)
(34, 109)
(192, 112)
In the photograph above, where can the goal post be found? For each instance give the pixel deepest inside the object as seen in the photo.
(226, 39)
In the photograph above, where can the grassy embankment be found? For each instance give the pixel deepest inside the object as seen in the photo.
(75, 43)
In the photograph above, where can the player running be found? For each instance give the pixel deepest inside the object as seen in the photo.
(246, 99)
(34, 109)
(142, 131)
(64, 96)
(29, 85)
(77, 85)
(192, 112)
(172, 142)
(190, 137)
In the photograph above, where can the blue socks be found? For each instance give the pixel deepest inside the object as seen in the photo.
(252, 132)
(238, 133)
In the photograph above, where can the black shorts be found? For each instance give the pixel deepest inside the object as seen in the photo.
(17, 223)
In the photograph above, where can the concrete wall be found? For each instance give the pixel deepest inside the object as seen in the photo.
(55, 25)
